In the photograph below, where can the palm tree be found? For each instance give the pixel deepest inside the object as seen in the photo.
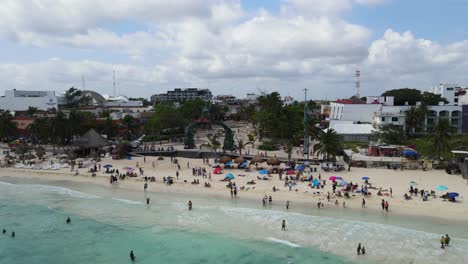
(31, 111)
(441, 137)
(414, 118)
(214, 143)
(329, 144)
(241, 145)
(289, 149)
(7, 126)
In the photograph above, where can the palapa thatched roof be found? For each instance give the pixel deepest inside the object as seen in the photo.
(257, 159)
(92, 139)
(239, 160)
(224, 159)
(273, 161)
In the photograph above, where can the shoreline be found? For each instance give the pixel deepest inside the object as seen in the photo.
(453, 213)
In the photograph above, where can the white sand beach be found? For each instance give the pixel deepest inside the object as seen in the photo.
(398, 180)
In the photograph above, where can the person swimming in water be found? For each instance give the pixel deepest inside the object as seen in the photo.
(132, 256)
(68, 220)
(13, 234)
(4, 231)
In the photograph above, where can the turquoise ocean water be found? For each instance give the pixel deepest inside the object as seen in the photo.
(109, 222)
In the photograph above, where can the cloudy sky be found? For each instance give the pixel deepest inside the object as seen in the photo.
(233, 46)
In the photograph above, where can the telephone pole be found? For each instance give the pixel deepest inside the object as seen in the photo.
(306, 136)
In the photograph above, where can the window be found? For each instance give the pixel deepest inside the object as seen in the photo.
(455, 122)
(383, 118)
(394, 119)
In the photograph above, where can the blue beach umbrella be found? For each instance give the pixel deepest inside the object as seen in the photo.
(342, 183)
(245, 163)
(107, 166)
(442, 188)
(300, 168)
(230, 163)
(452, 195)
(263, 172)
(409, 153)
(316, 182)
(365, 178)
(229, 176)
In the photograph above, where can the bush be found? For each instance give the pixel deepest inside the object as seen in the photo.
(268, 146)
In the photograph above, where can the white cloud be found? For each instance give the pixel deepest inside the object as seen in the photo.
(371, 2)
(217, 44)
(69, 17)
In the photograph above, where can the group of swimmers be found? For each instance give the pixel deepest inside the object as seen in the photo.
(12, 233)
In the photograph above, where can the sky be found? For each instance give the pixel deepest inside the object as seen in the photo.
(233, 46)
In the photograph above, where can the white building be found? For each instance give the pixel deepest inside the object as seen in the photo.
(20, 100)
(358, 113)
(350, 131)
(383, 100)
(455, 94)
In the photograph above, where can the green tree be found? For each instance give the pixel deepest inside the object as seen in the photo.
(130, 125)
(40, 152)
(40, 130)
(390, 134)
(329, 145)
(71, 97)
(428, 98)
(289, 149)
(21, 150)
(214, 143)
(441, 137)
(7, 126)
(401, 96)
(414, 119)
(31, 111)
(241, 145)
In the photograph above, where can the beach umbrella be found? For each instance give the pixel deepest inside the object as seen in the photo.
(239, 160)
(107, 166)
(229, 176)
(342, 183)
(263, 172)
(290, 172)
(257, 159)
(332, 178)
(409, 153)
(244, 164)
(365, 178)
(300, 168)
(452, 195)
(273, 161)
(230, 163)
(224, 159)
(316, 182)
(441, 188)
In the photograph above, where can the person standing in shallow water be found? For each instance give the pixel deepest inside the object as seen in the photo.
(132, 256)
(283, 225)
(363, 203)
(68, 220)
(287, 205)
(359, 249)
(190, 205)
(147, 200)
